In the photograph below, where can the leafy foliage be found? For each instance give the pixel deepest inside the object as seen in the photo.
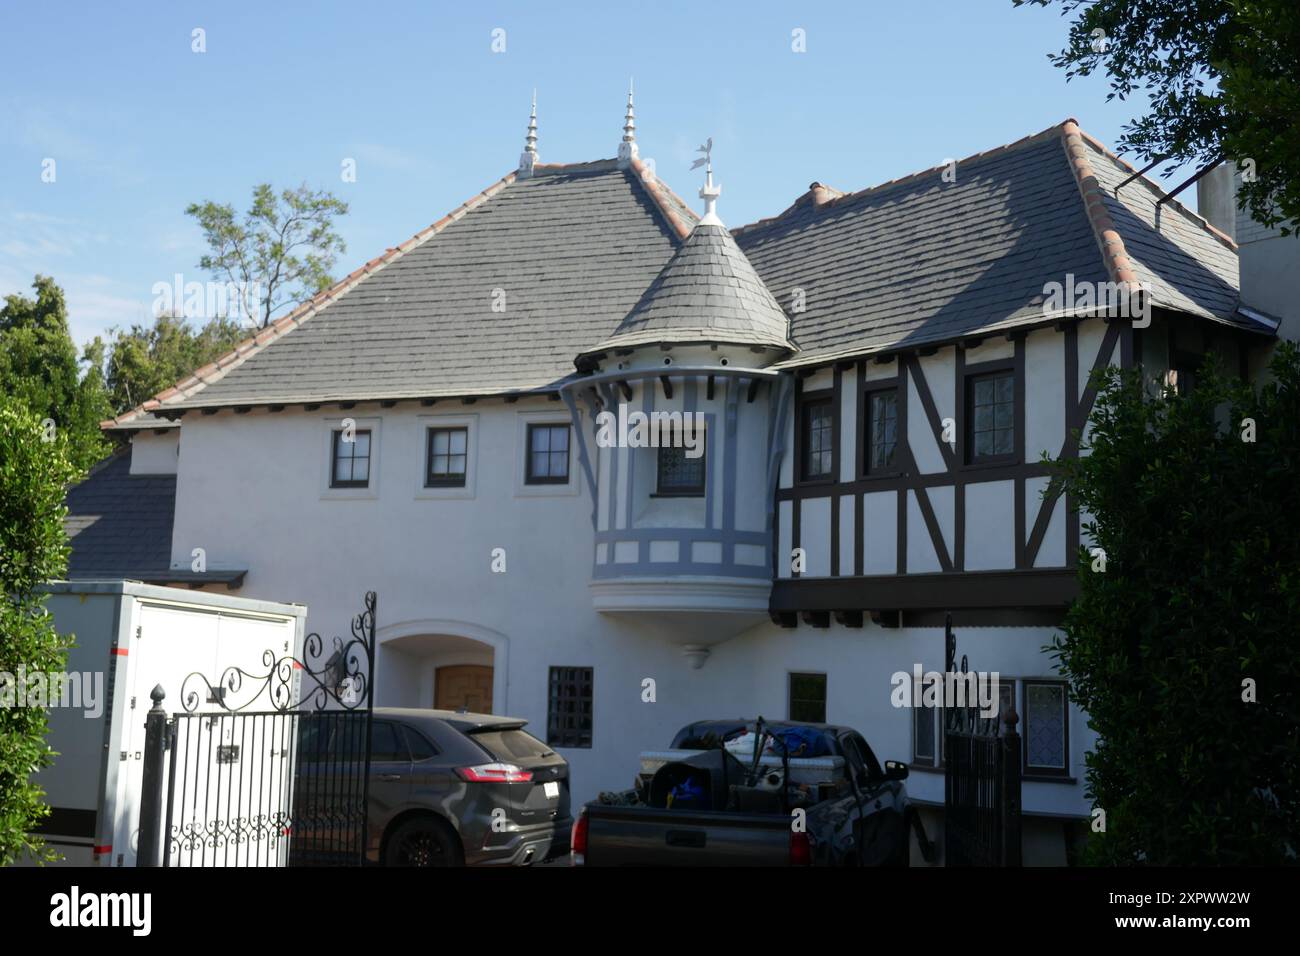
(1224, 81)
(144, 360)
(34, 472)
(39, 367)
(282, 250)
(1201, 592)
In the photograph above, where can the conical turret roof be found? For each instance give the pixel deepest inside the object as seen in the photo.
(707, 292)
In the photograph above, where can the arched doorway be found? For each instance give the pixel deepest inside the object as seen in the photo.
(441, 664)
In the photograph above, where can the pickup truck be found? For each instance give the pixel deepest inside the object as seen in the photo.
(754, 793)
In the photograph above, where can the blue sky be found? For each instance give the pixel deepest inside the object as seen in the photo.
(139, 125)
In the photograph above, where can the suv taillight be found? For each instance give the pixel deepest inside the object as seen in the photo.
(495, 773)
(578, 841)
(800, 850)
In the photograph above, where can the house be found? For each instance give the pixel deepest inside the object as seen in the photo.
(875, 375)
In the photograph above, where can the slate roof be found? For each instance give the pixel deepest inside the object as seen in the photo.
(708, 292)
(920, 260)
(577, 251)
(120, 525)
(570, 250)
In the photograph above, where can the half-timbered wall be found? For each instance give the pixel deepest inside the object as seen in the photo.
(940, 513)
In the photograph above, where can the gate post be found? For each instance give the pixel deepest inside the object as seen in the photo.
(148, 849)
(1009, 741)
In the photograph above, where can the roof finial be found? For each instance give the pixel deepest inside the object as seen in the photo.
(528, 158)
(628, 150)
(710, 192)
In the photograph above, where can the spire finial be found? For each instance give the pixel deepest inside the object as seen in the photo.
(628, 150)
(528, 158)
(710, 192)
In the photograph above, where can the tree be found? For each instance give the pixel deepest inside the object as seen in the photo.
(1224, 81)
(280, 253)
(39, 367)
(1182, 650)
(144, 360)
(34, 471)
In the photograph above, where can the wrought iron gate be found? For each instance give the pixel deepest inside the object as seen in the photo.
(284, 785)
(981, 795)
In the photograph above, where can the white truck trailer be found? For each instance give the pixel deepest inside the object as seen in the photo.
(138, 636)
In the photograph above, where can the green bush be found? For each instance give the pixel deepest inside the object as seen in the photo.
(34, 473)
(1199, 598)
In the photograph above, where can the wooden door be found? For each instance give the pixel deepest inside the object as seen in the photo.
(463, 685)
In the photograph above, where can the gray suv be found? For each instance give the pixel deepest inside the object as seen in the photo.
(449, 789)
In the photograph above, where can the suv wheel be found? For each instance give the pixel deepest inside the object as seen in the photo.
(423, 841)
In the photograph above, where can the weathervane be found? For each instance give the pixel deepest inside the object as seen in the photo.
(707, 150)
(710, 192)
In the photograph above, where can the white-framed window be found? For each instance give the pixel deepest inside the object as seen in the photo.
(1043, 706)
(350, 449)
(448, 453)
(546, 454)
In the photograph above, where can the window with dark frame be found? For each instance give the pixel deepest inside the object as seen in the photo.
(808, 698)
(924, 749)
(350, 466)
(548, 455)
(881, 443)
(1046, 741)
(568, 709)
(991, 417)
(447, 453)
(679, 475)
(818, 440)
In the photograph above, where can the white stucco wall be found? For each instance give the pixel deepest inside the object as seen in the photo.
(251, 492)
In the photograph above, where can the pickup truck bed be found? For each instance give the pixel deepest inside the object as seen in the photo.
(644, 836)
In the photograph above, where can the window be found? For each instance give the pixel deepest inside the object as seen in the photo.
(1181, 376)
(351, 467)
(1044, 726)
(386, 743)
(808, 698)
(881, 444)
(924, 723)
(511, 745)
(991, 417)
(680, 475)
(568, 710)
(1046, 746)
(421, 749)
(855, 745)
(548, 455)
(447, 453)
(818, 440)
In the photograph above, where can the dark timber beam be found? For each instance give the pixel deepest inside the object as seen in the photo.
(848, 618)
(928, 592)
(818, 619)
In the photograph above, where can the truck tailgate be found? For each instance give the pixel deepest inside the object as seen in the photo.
(644, 836)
